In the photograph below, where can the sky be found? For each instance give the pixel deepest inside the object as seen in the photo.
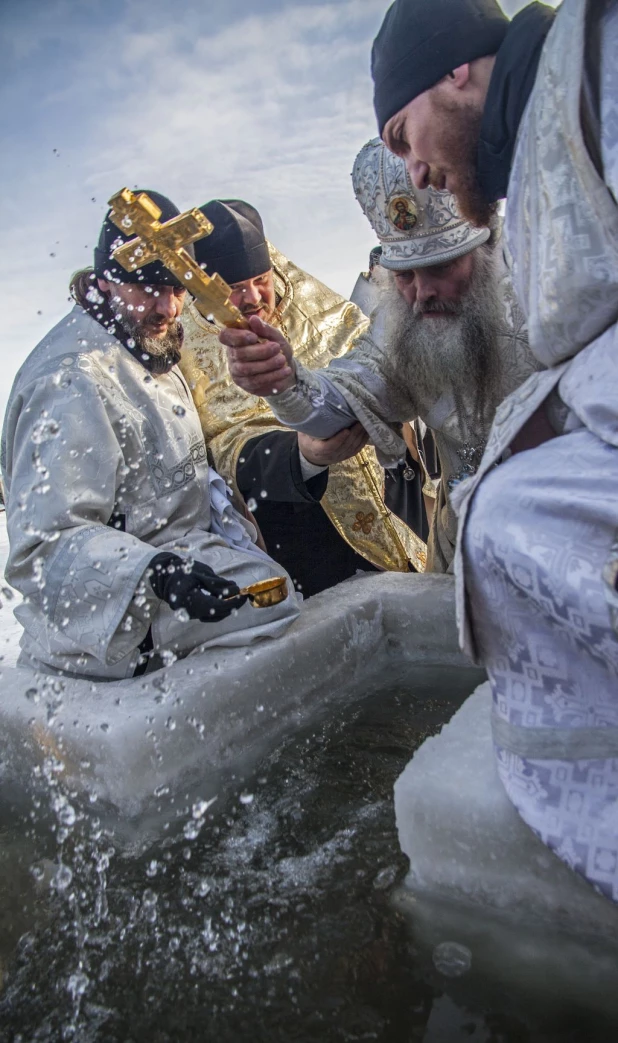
(267, 101)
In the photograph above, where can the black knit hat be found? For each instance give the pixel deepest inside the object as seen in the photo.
(237, 248)
(111, 236)
(421, 41)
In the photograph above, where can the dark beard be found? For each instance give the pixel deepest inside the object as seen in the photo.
(157, 356)
(461, 130)
(472, 204)
(156, 347)
(456, 354)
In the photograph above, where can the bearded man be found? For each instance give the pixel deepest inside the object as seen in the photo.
(123, 541)
(446, 342)
(410, 487)
(319, 504)
(531, 105)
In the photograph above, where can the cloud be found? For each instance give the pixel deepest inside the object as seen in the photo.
(271, 107)
(199, 100)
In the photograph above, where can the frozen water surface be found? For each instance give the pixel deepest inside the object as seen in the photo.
(270, 907)
(277, 922)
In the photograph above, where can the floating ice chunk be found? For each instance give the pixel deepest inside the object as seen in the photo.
(478, 874)
(229, 711)
(465, 841)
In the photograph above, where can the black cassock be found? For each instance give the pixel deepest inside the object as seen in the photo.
(297, 532)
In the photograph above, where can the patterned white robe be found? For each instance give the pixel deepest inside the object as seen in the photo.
(537, 560)
(104, 466)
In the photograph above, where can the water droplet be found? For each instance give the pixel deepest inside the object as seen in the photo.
(200, 807)
(104, 727)
(152, 868)
(263, 494)
(67, 815)
(44, 430)
(385, 878)
(126, 222)
(452, 959)
(252, 504)
(191, 829)
(246, 798)
(77, 985)
(62, 878)
(179, 410)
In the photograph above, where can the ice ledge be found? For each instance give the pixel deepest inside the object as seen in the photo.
(187, 729)
(469, 847)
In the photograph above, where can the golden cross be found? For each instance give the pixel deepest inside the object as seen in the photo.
(166, 242)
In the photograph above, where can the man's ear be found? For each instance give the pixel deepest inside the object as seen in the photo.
(460, 77)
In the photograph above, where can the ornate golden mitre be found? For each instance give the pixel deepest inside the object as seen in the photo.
(319, 325)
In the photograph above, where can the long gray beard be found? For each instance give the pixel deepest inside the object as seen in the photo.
(170, 344)
(456, 354)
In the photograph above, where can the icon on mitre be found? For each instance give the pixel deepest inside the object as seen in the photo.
(402, 213)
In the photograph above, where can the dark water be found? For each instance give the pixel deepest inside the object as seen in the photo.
(275, 924)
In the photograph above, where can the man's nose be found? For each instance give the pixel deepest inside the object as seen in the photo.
(251, 294)
(165, 303)
(426, 288)
(419, 172)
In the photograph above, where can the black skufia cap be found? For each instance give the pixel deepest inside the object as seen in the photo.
(155, 273)
(237, 248)
(421, 41)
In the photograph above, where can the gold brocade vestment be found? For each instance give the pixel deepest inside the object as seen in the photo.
(319, 325)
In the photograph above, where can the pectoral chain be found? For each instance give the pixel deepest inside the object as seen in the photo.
(470, 456)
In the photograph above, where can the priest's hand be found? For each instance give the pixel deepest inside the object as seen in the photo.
(260, 359)
(193, 587)
(326, 451)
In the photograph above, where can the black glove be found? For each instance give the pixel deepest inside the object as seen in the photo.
(197, 588)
